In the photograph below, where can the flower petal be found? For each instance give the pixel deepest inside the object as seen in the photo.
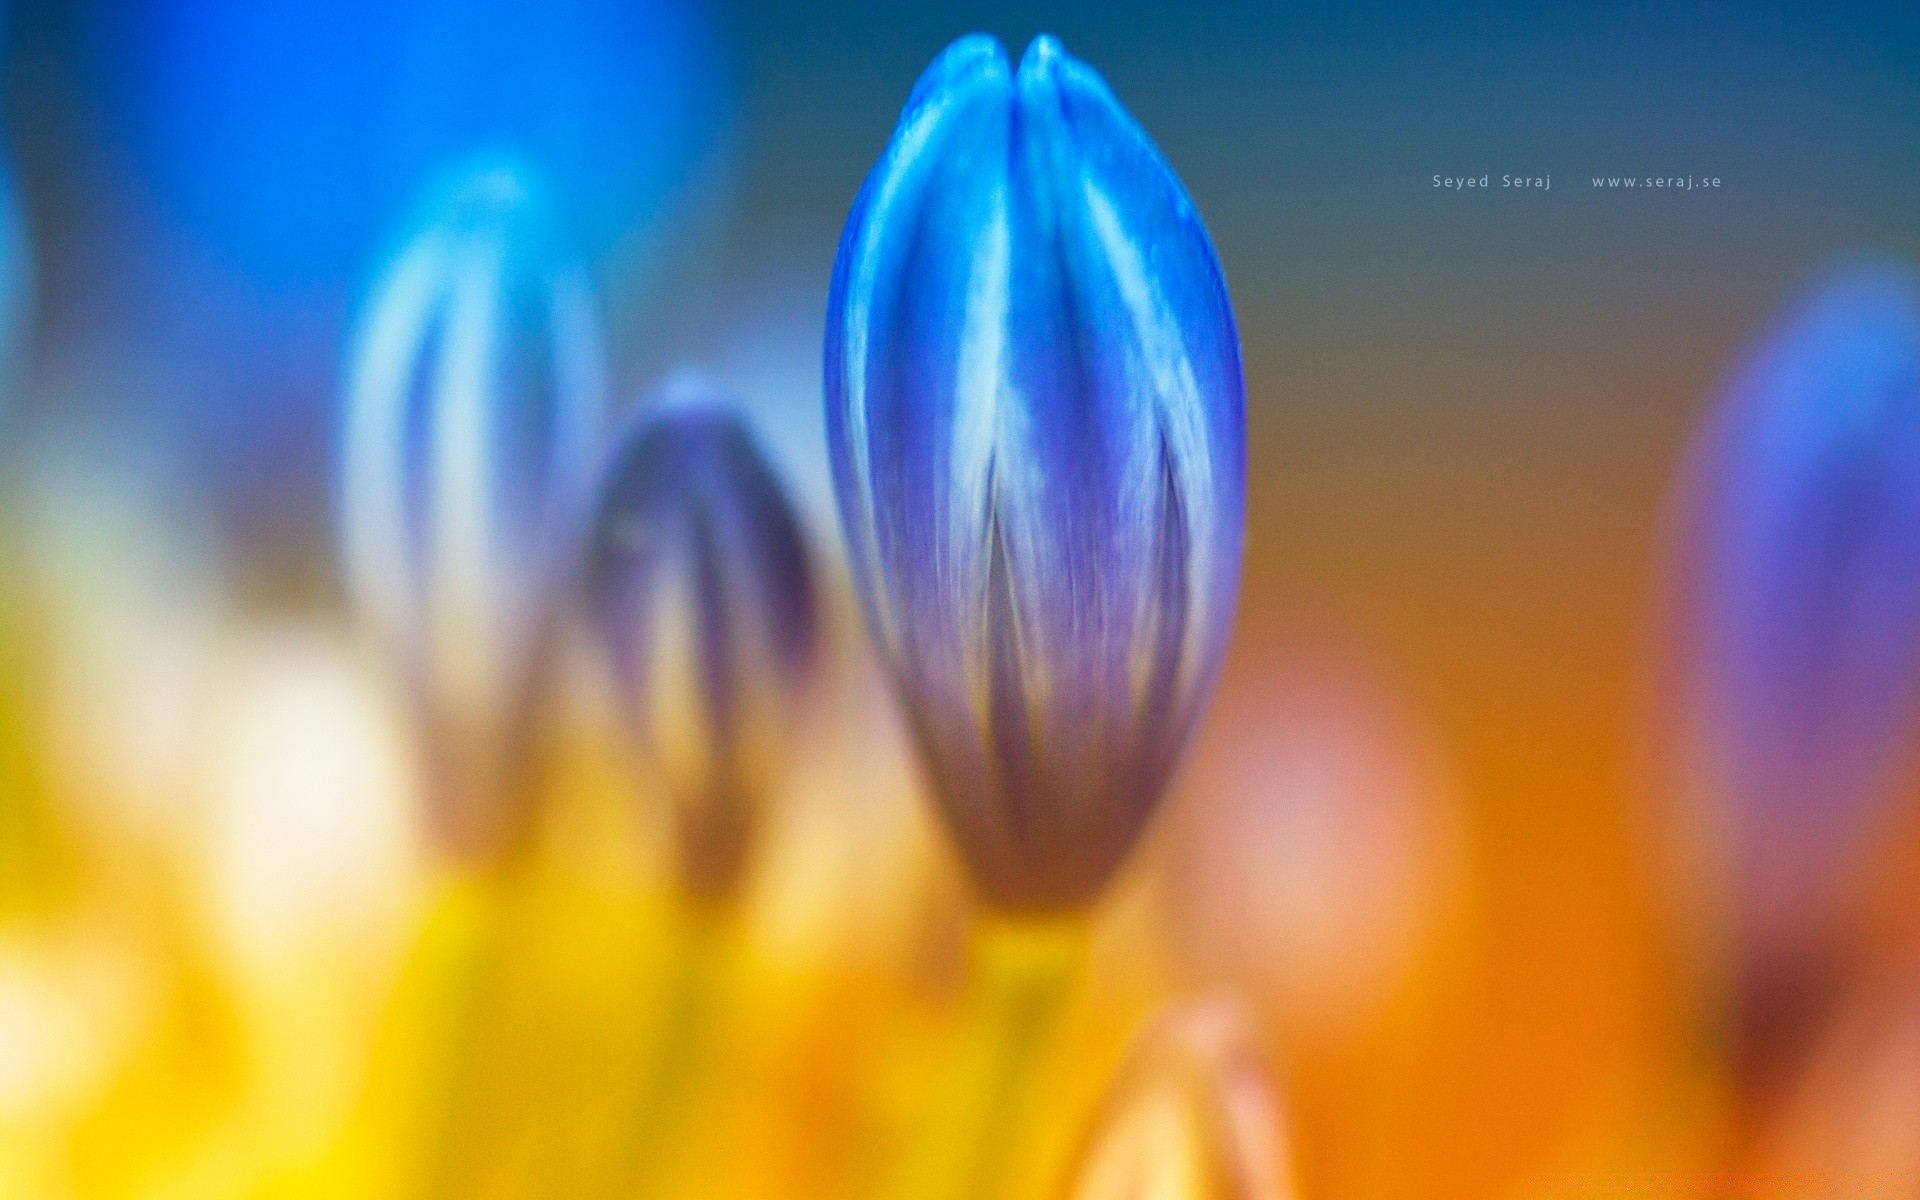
(698, 582)
(1036, 414)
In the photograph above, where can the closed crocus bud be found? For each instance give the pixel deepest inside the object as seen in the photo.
(473, 406)
(1035, 414)
(698, 583)
(1191, 1115)
(1800, 621)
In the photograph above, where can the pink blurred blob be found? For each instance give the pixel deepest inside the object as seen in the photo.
(1318, 843)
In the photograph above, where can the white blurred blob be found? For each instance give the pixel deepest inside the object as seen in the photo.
(69, 1006)
(309, 875)
(127, 586)
(1318, 844)
(80, 1002)
(1191, 1115)
(309, 834)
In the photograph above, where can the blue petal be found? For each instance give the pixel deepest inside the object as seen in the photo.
(1036, 414)
(698, 581)
(472, 404)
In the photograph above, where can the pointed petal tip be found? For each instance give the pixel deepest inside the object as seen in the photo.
(1048, 65)
(1069, 96)
(970, 52)
(498, 173)
(1044, 53)
(976, 59)
(686, 407)
(487, 193)
(1885, 285)
(688, 390)
(495, 176)
(1864, 312)
(1046, 69)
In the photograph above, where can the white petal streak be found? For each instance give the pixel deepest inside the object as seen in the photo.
(466, 583)
(977, 435)
(1180, 415)
(375, 530)
(910, 143)
(913, 148)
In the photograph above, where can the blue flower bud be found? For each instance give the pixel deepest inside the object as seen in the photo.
(1035, 413)
(1802, 624)
(698, 583)
(473, 407)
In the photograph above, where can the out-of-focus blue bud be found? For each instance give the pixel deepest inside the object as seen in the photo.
(1035, 412)
(1801, 617)
(473, 409)
(698, 581)
(16, 278)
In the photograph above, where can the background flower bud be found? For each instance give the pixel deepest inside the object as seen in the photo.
(1191, 1115)
(699, 585)
(1800, 619)
(1035, 414)
(472, 408)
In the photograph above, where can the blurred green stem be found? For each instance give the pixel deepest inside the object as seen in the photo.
(969, 1137)
(479, 908)
(682, 1044)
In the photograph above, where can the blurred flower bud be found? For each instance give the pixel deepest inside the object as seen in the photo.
(1799, 623)
(698, 582)
(1035, 413)
(472, 408)
(16, 278)
(1192, 1115)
